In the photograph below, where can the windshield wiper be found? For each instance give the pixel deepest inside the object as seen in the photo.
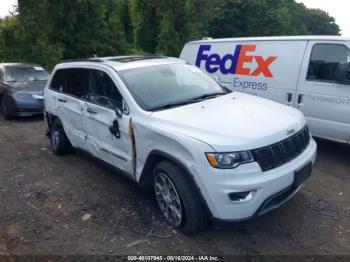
(208, 96)
(189, 101)
(171, 105)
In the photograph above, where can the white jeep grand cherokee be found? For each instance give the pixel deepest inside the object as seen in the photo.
(205, 151)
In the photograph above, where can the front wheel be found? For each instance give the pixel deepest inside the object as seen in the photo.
(5, 109)
(177, 200)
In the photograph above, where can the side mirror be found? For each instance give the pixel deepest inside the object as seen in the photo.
(342, 75)
(118, 112)
(123, 109)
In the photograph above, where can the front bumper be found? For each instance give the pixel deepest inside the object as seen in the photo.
(271, 189)
(26, 106)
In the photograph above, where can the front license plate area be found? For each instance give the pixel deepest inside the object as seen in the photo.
(301, 175)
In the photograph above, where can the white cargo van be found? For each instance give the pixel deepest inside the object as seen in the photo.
(311, 73)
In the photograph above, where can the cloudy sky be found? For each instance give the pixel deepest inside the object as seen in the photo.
(6, 6)
(336, 8)
(339, 9)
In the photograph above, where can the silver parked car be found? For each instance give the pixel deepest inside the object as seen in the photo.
(21, 89)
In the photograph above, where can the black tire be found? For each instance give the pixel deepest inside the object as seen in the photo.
(58, 139)
(8, 114)
(194, 216)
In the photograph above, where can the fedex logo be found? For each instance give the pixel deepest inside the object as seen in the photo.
(235, 63)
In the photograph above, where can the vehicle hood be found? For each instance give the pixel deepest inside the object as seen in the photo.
(232, 122)
(28, 86)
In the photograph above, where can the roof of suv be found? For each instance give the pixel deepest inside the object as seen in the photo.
(123, 62)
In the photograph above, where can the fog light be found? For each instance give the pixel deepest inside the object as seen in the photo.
(242, 196)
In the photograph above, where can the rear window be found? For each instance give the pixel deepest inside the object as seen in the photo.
(72, 81)
(58, 81)
(25, 73)
(77, 82)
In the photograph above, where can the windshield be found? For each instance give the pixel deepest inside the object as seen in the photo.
(25, 73)
(163, 86)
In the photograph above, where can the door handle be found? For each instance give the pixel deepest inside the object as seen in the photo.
(289, 98)
(90, 111)
(300, 99)
(62, 100)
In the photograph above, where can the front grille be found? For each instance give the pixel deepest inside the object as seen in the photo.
(280, 153)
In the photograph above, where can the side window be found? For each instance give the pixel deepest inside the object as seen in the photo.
(1, 74)
(102, 90)
(324, 61)
(77, 82)
(58, 81)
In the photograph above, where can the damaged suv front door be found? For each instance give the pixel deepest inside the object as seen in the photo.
(106, 130)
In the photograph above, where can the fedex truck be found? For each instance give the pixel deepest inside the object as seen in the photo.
(311, 73)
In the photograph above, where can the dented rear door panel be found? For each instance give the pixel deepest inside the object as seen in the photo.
(70, 109)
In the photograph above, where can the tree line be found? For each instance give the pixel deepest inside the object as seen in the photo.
(48, 31)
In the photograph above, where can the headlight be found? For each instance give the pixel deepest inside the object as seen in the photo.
(38, 97)
(229, 160)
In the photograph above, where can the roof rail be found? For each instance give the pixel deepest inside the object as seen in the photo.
(83, 60)
(120, 59)
(126, 59)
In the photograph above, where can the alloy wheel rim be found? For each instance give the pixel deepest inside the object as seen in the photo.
(55, 138)
(168, 199)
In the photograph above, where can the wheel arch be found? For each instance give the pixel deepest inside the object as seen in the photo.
(156, 156)
(9, 101)
(50, 119)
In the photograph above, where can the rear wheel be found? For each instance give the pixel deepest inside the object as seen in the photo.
(177, 199)
(58, 139)
(5, 109)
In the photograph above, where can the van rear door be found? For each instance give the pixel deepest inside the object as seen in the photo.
(268, 69)
(324, 102)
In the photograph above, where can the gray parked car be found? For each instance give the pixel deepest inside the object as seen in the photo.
(21, 89)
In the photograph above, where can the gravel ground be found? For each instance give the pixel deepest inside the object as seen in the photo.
(73, 205)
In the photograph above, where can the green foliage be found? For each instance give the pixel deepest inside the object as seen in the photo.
(8, 41)
(47, 31)
(173, 18)
(145, 23)
(318, 22)
(238, 18)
